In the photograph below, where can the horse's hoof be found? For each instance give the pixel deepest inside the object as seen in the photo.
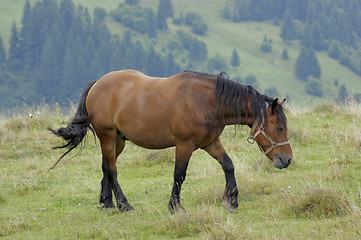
(175, 206)
(229, 206)
(125, 207)
(107, 207)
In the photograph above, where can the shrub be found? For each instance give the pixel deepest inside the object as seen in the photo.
(335, 51)
(314, 89)
(271, 92)
(266, 47)
(318, 203)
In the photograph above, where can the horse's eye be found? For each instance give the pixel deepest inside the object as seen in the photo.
(279, 129)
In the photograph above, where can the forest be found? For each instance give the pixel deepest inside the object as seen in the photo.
(331, 25)
(60, 46)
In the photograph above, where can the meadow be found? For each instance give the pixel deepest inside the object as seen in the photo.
(317, 197)
(223, 36)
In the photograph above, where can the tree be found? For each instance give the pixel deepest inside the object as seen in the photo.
(14, 49)
(301, 68)
(140, 56)
(198, 50)
(226, 13)
(151, 24)
(47, 64)
(285, 54)
(314, 66)
(307, 64)
(306, 38)
(288, 31)
(266, 46)
(217, 63)
(335, 51)
(99, 14)
(132, 2)
(271, 92)
(199, 26)
(171, 66)
(235, 59)
(318, 40)
(2, 52)
(165, 10)
(185, 38)
(252, 80)
(342, 96)
(314, 89)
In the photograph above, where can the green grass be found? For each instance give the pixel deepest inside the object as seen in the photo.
(317, 197)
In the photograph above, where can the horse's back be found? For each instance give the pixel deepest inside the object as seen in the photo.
(151, 112)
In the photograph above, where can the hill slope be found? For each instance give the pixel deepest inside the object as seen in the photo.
(223, 36)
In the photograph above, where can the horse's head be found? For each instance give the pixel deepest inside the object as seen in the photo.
(271, 136)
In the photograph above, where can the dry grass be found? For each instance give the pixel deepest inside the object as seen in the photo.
(317, 197)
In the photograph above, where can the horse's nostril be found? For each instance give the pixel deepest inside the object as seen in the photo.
(289, 160)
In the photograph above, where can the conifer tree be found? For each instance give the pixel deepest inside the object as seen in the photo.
(165, 10)
(26, 35)
(285, 54)
(313, 65)
(14, 49)
(307, 64)
(198, 50)
(317, 37)
(151, 24)
(132, 2)
(301, 66)
(235, 59)
(335, 51)
(342, 95)
(2, 52)
(47, 63)
(140, 56)
(288, 31)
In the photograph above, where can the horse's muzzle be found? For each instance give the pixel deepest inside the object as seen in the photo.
(281, 161)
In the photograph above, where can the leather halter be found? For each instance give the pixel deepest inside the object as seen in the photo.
(252, 138)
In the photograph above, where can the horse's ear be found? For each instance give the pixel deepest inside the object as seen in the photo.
(274, 105)
(283, 101)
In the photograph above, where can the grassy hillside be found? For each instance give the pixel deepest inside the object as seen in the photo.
(317, 197)
(224, 36)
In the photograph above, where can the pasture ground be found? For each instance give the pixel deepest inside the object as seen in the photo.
(317, 197)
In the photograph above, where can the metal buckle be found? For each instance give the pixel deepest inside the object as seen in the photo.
(251, 140)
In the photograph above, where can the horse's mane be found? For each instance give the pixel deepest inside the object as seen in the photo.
(236, 95)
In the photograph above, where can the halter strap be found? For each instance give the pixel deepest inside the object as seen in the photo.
(252, 138)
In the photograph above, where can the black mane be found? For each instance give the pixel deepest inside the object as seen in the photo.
(236, 95)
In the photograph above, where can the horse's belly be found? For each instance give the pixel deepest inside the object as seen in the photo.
(147, 133)
(150, 140)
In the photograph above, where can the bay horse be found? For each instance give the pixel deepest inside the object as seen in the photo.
(188, 110)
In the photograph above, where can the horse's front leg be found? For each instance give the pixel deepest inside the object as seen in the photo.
(230, 197)
(183, 154)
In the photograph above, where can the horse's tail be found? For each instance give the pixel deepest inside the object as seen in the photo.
(76, 130)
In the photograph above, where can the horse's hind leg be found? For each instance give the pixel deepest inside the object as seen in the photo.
(230, 197)
(112, 146)
(106, 195)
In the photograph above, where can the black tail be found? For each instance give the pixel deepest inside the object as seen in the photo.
(75, 132)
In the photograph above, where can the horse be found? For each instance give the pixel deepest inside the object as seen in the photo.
(188, 110)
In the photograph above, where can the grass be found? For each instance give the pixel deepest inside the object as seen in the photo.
(317, 197)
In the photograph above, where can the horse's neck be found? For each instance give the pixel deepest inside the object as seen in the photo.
(230, 117)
